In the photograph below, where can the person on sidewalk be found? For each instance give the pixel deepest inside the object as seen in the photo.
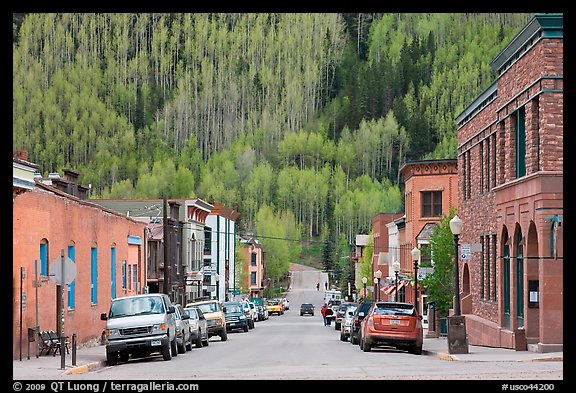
(323, 312)
(318, 286)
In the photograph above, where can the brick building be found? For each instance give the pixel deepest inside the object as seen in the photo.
(510, 195)
(104, 246)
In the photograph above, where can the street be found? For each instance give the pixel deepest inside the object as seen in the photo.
(291, 347)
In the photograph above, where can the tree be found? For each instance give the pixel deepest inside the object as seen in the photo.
(440, 285)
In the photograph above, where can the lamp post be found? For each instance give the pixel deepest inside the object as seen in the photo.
(416, 259)
(364, 281)
(396, 267)
(456, 228)
(378, 275)
(457, 338)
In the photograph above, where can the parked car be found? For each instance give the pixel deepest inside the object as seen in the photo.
(346, 327)
(248, 313)
(392, 324)
(140, 325)
(286, 304)
(306, 308)
(262, 312)
(274, 307)
(340, 313)
(235, 316)
(359, 315)
(183, 337)
(198, 327)
(253, 311)
(214, 315)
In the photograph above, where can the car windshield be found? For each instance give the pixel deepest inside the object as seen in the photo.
(208, 307)
(192, 312)
(125, 307)
(233, 308)
(350, 311)
(394, 309)
(273, 303)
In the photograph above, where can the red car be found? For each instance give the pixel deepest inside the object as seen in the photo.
(393, 324)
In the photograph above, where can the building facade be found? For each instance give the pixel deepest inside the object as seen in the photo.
(510, 195)
(430, 192)
(220, 252)
(253, 267)
(104, 248)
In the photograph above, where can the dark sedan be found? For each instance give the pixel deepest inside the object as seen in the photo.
(306, 308)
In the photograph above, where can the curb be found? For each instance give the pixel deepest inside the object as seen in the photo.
(85, 368)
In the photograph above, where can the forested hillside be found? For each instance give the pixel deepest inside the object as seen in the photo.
(308, 116)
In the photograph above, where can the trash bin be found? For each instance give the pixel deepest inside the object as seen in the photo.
(443, 327)
(31, 334)
(457, 339)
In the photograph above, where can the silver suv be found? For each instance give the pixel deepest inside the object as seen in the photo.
(140, 325)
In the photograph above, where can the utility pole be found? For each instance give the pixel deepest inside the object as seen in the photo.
(167, 288)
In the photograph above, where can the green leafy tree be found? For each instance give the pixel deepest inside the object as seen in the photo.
(440, 284)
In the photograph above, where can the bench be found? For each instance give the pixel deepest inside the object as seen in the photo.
(50, 342)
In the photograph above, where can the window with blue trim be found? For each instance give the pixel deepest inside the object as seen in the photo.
(44, 257)
(94, 275)
(113, 272)
(72, 286)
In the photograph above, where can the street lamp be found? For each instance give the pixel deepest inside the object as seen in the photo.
(456, 228)
(378, 275)
(457, 338)
(364, 281)
(416, 259)
(396, 267)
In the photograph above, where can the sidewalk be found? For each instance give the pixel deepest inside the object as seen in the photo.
(93, 358)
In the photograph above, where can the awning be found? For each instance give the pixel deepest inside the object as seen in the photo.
(392, 289)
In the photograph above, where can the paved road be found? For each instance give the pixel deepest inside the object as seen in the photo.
(293, 347)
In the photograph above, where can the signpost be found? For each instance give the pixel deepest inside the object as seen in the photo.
(63, 271)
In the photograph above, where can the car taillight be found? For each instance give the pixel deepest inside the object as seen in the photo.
(356, 322)
(370, 321)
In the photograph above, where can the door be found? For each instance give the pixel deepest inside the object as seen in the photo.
(424, 311)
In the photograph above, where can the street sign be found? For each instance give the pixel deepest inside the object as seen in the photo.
(465, 251)
(56, 270)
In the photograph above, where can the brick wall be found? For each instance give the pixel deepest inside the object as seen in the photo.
(63, 221)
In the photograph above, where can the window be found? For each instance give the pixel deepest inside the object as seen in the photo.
(71, 286)
(134, 277)
(431, 204)
(520, 280)
(520, 143)
(113, 272)
(207, 241)
(94, 275)
(252, 278)
(494, 266)
(253, 259)
(124, 275)
(44, 257)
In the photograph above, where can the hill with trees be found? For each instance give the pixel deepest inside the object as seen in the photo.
(296, 117)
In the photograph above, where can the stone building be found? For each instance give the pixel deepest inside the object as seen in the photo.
(510, 195)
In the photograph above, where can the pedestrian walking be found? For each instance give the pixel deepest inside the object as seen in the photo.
(318, 286)
(323, 311)
(326, 285)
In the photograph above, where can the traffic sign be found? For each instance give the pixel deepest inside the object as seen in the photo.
(56, 270)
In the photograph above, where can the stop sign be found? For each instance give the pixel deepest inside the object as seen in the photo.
(56, 270)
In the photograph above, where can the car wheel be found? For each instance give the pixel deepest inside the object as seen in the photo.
(364, 346)
(336, 326)
(415, 349)
(112, 358)
(124, 357)
(189, 343)
(207, 341)
(223, 335)
(174, 348)
(166, 352)
(181, 347)
(199, 339)
(342, 337)
(245, 328)
(250, 324)
(353, 339)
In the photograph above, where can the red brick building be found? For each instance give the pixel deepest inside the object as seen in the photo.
(510, 195)
(430, 191)
(104, 246)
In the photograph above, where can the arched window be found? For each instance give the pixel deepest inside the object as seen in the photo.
(506, 278)
(44, 257)
(520, 278)
(72, 285)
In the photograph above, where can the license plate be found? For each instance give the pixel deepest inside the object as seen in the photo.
(156, 343)
(394, 322)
